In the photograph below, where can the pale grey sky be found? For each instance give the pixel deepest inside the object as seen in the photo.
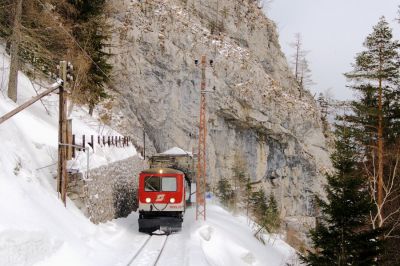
(333, 31)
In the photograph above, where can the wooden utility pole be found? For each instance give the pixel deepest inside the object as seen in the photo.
(201, 158)
(62, 178)
(15, 41)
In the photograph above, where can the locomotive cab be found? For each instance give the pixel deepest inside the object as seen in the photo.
(162, 195)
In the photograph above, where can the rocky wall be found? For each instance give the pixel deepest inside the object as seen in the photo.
(254, 106)
(109, 192)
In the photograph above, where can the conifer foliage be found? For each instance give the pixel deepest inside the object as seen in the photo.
(242, 195)
(265, 211)
(72, 30)
(344, 235)
(375, 127)
(92, 32)
(225, 191)
(375, 77)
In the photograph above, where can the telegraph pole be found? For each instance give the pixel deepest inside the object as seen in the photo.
(62, 137)
(201, 158)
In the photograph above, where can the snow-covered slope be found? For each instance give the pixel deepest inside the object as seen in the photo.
(227, 240)
(36, 229)
(34, 224)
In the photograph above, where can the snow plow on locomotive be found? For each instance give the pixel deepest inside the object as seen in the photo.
(162, 197)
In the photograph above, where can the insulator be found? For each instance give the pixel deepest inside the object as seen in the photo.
(70, 66)
(196, 62)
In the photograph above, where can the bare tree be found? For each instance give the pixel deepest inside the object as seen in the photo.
(304, 77)
(298, 46)
(264, 4)
(301, 70)
(387, 206)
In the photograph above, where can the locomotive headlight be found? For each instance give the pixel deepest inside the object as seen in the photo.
(148, 200)
(172, 200)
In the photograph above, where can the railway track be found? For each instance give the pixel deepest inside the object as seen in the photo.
(149, 253)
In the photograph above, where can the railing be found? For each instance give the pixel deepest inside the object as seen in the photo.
(102, 141)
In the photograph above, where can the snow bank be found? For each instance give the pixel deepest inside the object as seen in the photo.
(35, 227)
(227, 240)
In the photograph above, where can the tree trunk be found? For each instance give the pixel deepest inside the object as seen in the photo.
(13, 77)
(296, 72)
(380, 156)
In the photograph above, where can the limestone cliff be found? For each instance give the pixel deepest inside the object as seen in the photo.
(255, 108)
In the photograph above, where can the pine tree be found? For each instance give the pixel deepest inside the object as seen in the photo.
(272, 220)
(344, 236)
(225, 191)
(239, 179)
(247, 196)
(375, 114)
(91, 30)
(259, 206)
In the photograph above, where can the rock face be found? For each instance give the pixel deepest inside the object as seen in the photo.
(254, 107)
(110, 190)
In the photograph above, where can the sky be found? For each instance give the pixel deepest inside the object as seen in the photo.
(333, 32)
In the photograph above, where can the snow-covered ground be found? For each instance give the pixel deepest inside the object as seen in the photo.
(36, 229)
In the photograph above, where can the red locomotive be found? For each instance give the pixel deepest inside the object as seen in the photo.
(162, 196)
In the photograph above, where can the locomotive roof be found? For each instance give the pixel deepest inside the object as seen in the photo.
(163, 170)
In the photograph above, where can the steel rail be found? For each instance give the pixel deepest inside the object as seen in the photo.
(139, 250)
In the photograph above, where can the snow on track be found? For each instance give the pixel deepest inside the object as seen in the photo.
(174, 251)
(150, 252)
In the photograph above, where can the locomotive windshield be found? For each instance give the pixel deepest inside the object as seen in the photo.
(156, 183)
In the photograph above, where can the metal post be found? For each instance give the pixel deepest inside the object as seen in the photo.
(92, 142)
(144, 145)
(201, 157)
(73, 146)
